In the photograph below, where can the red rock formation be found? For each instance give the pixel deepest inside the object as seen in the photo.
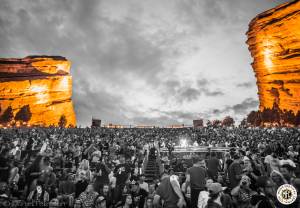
(42, 82)
(274, 43)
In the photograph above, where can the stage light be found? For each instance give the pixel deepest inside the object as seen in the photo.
(183, 143)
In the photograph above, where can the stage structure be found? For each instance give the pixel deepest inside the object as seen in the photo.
(198, 123)
(96, 122)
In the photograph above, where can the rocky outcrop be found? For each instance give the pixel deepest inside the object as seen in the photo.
(274, 43)
(42, 82)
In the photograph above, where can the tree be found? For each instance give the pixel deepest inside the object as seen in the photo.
(243, 123)
(252, 117)
(23, 114)
(62, 121)
(258, 120)
(7, 115)
(228, 121)
(208, 123)
(216, 123)
(297, 119)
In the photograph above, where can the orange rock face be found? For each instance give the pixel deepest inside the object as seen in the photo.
(274, 43)
(42, 82)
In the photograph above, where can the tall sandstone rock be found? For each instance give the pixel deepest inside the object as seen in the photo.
(274, 43)
(42, 82)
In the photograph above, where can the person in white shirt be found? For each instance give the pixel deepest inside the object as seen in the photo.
(112, 180)
(272, 162)
(204, 195)
(143, 184)
(96, 156)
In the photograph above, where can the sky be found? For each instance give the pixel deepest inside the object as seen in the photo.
(150, 62)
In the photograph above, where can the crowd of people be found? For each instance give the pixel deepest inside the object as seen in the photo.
(105, 167)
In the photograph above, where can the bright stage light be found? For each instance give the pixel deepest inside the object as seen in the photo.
(183, 143)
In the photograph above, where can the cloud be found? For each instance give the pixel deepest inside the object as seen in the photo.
(246, 84)
(244, 107)
(238, 109)
(189, 94)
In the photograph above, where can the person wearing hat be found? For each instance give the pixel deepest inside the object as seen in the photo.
(100, 202)
(139, 195)
(217, 199)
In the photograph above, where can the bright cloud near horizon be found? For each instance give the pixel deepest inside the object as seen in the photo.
(156, 62)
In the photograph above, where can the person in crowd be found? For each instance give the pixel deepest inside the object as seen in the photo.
(4, 165)
(217, 199)
(139, 195)
(100, 202)
(196, 176)
(235, 171)
(213, 166)
(84, 169)
(271, 161)
(38, 197)
(81, 184)
(127, 202)
(277, 178)
(101, 175)
(149, 203)
(204, 195)
(152, 189)
(122, 174)
(106, 192)
(66, 190)
(54, 203)
(242, 193)
(87, 198)
(287, 172)
(143, 185)
(265, 198)
(14, 175)
(5, 199)
(186, 190)
(169, 191)
(33, 172)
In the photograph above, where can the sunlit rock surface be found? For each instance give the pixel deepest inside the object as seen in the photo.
(42, 82)
(274, 43)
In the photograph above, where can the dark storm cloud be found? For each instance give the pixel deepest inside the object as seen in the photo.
(105, 106)
(184, 92)
(245, 106)
(189, 94)
(205, 87)
(239, 109)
